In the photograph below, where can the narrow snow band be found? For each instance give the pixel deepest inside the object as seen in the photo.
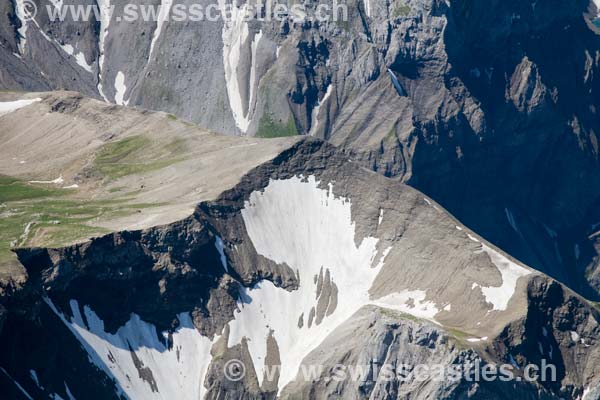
(10, 106)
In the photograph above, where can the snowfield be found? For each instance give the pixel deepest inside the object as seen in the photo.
(177, 373)
(302, 224)
(296, 222)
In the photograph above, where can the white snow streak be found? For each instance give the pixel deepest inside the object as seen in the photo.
(235, 35)
(317, 110)
(178, 372)
(68, 391)
(20, 12)
(120, 89)
(17, 384)
(511, 220)
(56, 181)
(163, 15)
(104, 6)
(367, 7)
(253, 83)
(473, 238)
(35, 378)
(10, 106)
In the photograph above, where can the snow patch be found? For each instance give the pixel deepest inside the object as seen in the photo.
(79, 56)
(56, 181)
(511, 272)
(10, 106)
(410, 302)
(575, 336)
(35, 379)
(178, 372)
(296, 222)
(474, 340)
(473, 238)
(120, 89)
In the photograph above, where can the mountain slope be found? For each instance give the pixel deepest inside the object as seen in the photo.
(72, 167)
(300, 250)
(489, 108)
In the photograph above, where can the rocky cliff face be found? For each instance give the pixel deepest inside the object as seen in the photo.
(254, 276)
(489, 108)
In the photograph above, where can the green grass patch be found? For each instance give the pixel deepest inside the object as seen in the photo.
(137, 155)
(457, 333)
(33, 216)
(12, 189)
(460, 337)
(402, 10)
(397, 315)
(267, 128)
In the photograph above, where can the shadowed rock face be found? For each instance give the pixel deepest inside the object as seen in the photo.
(524, 172)
(162, 296)
(489, 108)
